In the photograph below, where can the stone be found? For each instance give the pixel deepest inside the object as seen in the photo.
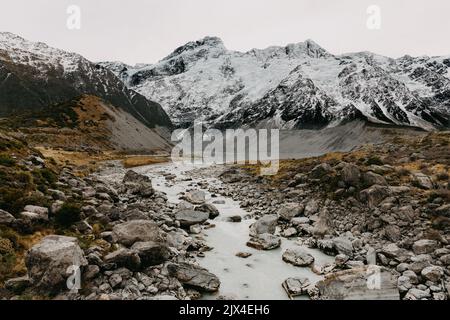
(298, 257)
(128, 233)
(18, 285)
(433, 273)
(115, 280)
(312, 207)
(424, 246)
(265, 241)
(138, 184)
(49, 262)
(124, 258)
(91, 272)
(320, 171)
(6, 218)
(423, 181)
(209, 208)
(360, 283)
(189, 218)
(196, 196)
(374, 195)
(343, 245)
(290, 210)
(289, 232)
(296, 286)
(234, 219)
(243, 254)
(265, 224)
(194, 276)
(350, 174)
(418, 263)
(34, 213)
(151, 253)
(416, 294)
(443, 210)
(369, 179)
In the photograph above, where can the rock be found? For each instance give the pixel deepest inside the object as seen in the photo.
(115, 280)
(18, 285)
(138, 184)
(133, 231)
(91, 272)
(350, 174)
(311, 207)
(189, 218)
(49, 262)
(323, 225)
(340, 260)
(184, 205)
(195, 229)
(265, 241)
(362, 283)
(35, 213)
(369, 179)
(343, 245)
(234, 219)
(404, 284)
(443, 210)
(296, 286)
(219, 202)
(423, 181)
(266, 224)
(289, 232)
(416, 294)
(195, 196)
(433, 273)
(151, 253)
(418, 263)
(243, 254)
(209, 208)
(374, 195)
(392, 232)
(124, 258)
(445, 259)
(194, 276)
(320, 171)
(424, 246)
(298, 257)
(290, 210)
(300, 220)
(6, 217)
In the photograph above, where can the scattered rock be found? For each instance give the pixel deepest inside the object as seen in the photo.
(298, 257)
(424, 246)
(189, 218)
(266, 224)
(265, 241)
(194, 276)
(128, 233)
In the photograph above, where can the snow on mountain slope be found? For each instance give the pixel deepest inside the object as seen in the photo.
(34, 75)
(292, 86)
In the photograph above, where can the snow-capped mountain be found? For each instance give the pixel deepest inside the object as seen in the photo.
(297, 86)
(34, 75)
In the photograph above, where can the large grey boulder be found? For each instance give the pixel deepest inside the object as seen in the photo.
(266, 224)
(370, 178)
(424, 246)
(298, 257)
(138, 184)
(34, 213)
(189, 218)
(423, 181)
(265, 241)
(194, 276)
(209, 208)
(124, 258)
(128, 233)
(290, 210)
(374, 195)
(362, 283)
(195, 196)
(350, 174)
(49, 262)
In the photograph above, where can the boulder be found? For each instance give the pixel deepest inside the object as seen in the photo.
(35, 213)
(128, 233)
(266, 224)
(374, 195)
(320, 171)
(138, 184)
(361, 283)
(424, 246)
(151, 253)
(195, 196)
(124, 258)
(290, 210)
(194, 276)
(350, 174)
(18, 285)
(6, 218)
(265, 241)
(209, 208)
(296, 286)
(49, 262)
(369, 179)
(189, 218)
(433, 273)
(417, 294)
(298, 257)
(423, 181)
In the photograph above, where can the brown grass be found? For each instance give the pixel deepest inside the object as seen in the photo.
(138, 161)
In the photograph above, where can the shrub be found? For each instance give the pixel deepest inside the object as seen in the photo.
(68, 214)
(6, 161)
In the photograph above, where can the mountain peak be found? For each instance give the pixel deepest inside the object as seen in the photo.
(208, 43)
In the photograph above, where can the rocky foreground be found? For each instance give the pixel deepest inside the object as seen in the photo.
(381, 211)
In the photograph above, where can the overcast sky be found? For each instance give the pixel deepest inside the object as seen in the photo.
(147, 30)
